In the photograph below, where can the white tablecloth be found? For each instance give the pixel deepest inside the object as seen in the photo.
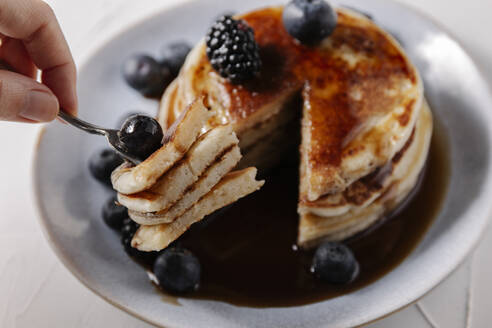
(37, 291)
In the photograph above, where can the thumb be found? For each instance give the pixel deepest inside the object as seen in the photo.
(22, 99)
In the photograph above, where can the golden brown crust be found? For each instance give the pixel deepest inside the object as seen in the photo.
(287, 65)
(361, 96)
(363, 189)
(345, 82)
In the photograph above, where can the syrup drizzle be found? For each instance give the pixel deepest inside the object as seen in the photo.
(248, 252)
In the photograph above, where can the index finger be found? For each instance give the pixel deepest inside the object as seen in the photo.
(34, 22)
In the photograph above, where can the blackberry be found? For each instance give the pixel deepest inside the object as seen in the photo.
(224, 13)
(232, 49)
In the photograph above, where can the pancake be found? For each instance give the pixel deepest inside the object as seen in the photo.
(355, 86)
(364, 190)
(346, 214)
(206, 182)
(209, 148)
(232, 187)
(361, 97)
(129, 179)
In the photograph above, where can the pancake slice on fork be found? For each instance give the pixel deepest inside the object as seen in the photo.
(174, 184)
(206, 182)
(129, 179)
(231, 188)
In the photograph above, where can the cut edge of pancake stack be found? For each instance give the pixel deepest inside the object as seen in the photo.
(188, 178)
(337, 216)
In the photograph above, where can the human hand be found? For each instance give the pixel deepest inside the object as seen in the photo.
(31, 39)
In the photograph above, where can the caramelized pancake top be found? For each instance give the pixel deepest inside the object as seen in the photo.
(357, 85)
(335, 110)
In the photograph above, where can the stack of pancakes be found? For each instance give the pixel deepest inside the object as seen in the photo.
(365, 126)
(188, 178)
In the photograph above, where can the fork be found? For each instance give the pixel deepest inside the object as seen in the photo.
(112, 135)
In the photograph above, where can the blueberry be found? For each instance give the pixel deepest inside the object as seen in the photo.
(309, 21)
(177, 270)
(126, 116)
(141, 135)
(335, 263)
(113, 214)
(102, 163)
(128, 230)
(173, 56)
(146, 75)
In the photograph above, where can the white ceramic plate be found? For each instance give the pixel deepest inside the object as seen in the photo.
(70, 201)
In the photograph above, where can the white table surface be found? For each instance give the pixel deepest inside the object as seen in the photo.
(37, 291)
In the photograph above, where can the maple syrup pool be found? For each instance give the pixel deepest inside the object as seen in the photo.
(248, 254)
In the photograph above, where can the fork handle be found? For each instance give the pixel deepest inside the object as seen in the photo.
(81, 124)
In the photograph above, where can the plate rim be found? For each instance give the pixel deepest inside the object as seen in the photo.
(100, 42)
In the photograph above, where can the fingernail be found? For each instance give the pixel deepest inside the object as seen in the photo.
(40, 106)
